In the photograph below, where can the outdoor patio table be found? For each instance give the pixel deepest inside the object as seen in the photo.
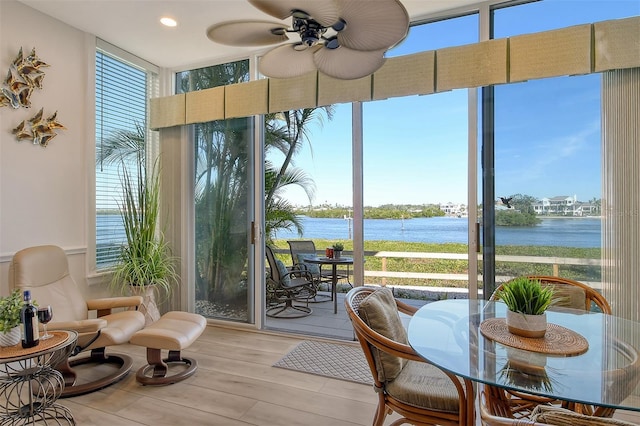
(448, 334)
(334, 273)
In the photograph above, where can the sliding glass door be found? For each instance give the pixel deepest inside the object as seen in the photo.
(222, 194)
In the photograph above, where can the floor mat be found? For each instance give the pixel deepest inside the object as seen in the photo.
(328, 359)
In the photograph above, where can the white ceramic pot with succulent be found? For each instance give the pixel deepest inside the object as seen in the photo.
(527, 301)
(10, 306)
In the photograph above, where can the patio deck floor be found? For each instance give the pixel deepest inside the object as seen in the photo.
(322, 321)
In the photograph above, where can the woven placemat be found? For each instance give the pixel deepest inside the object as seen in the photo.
(557, 340)
(17, 350)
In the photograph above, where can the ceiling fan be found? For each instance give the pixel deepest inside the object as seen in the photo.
(345, 39)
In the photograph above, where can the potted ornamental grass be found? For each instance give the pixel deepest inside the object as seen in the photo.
(527, 301)
(145, 265)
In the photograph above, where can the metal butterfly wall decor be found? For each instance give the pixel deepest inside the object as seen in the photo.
(24, 75)
(38, 129)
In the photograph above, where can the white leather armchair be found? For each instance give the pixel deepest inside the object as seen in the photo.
(44, 270)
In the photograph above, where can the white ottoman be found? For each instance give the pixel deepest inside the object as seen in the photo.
(174, 331)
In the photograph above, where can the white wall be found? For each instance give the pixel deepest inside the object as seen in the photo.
(45, 193)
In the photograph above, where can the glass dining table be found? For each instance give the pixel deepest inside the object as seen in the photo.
(605, 372)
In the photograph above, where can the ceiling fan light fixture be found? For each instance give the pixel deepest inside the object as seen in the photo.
(309, 30)
(332, 43)
(339, 25)
(299, 14)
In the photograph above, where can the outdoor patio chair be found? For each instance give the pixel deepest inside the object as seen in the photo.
(514, 404)
(284, 287)
(300, 249)
(405, 383)
(44, 270)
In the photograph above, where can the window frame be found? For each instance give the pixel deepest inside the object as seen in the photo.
(152, 90)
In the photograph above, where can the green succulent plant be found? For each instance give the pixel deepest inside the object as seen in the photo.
(338, 246)
(10, 307)
(526, 295)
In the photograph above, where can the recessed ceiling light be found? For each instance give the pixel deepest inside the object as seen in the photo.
(169, 22)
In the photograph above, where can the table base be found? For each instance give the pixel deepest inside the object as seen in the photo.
(54, 414)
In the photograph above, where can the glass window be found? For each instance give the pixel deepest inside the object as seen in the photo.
(548, 176)
(415, 175)
(122, 90)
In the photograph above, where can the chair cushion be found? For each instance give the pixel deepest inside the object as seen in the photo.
(284, 277)
(426, 386)
(563, 417)
(311, 267)
(380, 312)
(569, 296)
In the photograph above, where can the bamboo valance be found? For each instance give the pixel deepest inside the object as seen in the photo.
(581, 49)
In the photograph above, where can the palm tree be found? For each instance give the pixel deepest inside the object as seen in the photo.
(286, 132)
(122, 146)
(280, 214)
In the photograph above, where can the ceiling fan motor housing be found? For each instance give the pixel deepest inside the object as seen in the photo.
(310, 31)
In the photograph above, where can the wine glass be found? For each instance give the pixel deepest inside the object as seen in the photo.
(45, 314)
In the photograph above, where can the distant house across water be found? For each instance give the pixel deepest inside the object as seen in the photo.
(564, 205)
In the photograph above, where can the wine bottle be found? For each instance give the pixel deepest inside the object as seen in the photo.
(29, 320)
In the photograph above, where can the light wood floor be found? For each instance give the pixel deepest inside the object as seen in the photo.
(235, 384)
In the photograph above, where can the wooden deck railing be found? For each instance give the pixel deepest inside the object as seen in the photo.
(554, 261)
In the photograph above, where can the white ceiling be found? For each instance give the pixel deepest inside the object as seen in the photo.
(133, 25)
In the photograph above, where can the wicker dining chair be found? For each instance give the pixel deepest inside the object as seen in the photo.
(572, 294)
(546, 415)
(514, 404)
(405, 383)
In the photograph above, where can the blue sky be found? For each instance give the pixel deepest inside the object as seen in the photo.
(415, 148)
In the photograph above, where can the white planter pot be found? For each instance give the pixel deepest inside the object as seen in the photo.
(11, 338)
(534, 326)
(149, 306)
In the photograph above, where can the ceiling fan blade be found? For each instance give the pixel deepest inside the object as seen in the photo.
(348, 64)
(247, 33)
(375, 25)
(285, 61)
(323, 11)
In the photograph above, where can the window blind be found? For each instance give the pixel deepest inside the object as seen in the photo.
(121, 123)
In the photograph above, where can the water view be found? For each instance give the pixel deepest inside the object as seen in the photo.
(563, 232)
